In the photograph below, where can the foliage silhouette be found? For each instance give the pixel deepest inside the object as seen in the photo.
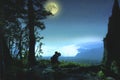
(13, 35)
(36, 12)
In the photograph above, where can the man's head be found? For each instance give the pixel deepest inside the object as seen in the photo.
(57, 53)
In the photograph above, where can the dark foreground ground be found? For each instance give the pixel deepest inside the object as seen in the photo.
(65, 71)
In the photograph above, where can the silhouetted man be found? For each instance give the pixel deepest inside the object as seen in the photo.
(54, 58)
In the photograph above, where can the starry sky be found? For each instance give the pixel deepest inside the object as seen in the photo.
(78, 22)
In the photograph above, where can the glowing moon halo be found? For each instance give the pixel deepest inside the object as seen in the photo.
(52, 7)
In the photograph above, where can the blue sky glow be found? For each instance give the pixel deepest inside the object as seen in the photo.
(79, 22)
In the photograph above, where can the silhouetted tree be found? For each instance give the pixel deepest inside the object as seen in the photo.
(7, 19)
(36, 12)
(9, 15)
(112, 39)
(13, 13)
(22, 43)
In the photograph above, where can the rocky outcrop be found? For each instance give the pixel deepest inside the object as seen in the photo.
(112, 39)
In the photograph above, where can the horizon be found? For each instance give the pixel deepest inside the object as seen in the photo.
(73, 50)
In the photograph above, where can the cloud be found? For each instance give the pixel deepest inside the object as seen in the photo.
(69, 50)
(48, 50)
(66, 51)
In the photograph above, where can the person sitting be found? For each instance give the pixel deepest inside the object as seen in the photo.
(54, 58)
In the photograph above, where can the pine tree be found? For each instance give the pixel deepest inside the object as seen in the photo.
(36, 12)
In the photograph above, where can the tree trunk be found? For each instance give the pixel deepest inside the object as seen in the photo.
(31, 18)
(5, 57)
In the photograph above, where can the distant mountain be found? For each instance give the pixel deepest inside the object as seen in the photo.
(91, 51)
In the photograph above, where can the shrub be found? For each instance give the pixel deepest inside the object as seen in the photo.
(101, 74)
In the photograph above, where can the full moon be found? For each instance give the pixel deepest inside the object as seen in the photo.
(52, 7)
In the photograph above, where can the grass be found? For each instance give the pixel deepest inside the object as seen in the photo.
(65, 64)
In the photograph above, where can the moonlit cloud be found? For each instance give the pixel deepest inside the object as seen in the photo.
(66, 51)
(69, 50)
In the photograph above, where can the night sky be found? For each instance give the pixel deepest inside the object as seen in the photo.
(79, 22)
